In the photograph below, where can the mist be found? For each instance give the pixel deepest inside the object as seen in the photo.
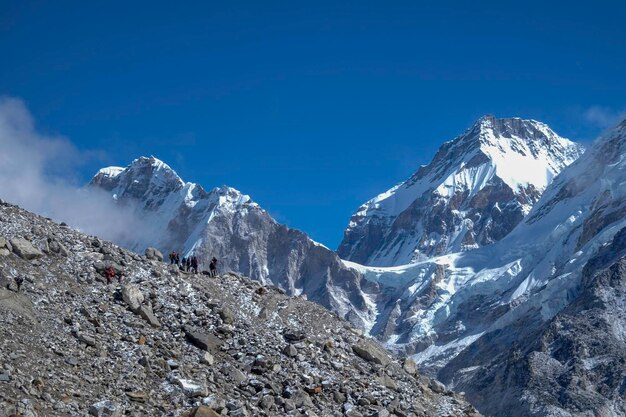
(38, 173)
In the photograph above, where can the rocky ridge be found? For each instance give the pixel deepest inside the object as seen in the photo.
(157, 341)
(227, 224)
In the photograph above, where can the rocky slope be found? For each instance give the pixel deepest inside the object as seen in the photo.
(476, 189)
(167, 343)
(530, 325)
(228, 225)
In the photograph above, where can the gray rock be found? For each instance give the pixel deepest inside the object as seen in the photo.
(227, 315)
(86, 339)
(204, 411)
(146, 313)
(106, 408)
(5, 247)
(388, 382)
(290, 350)
(235, 374)
(154, 254)
(204, 341)
(191, 388)
(72, 361)
(207, 359)
(372, 352)
(132, 296)
(409, 366)
(294, 335)
(436, 386)
(267, 402)
(57, 247)
(25, 249)
(25, 408)
(240, 412)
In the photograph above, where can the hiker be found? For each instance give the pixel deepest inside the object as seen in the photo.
(172, 255)
(194, 264)
(110, 274)
(176, 258)
(213, 267)
(19, 281)
(183, 262)
(188, 264)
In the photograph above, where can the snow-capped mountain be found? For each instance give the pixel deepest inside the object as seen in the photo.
(534, 323)
(227, 224)
(476, 189)
(529, 325)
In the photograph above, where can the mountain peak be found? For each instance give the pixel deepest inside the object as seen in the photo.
(512, 127)
(154, 163)
(474, 191)
(142, 177)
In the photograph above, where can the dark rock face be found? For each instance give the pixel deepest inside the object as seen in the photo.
(464, 199)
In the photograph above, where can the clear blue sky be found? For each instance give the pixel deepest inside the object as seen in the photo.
(310, 107)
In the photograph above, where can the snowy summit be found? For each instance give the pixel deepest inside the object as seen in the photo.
(475, 190)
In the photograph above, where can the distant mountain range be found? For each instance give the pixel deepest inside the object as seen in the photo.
(480, 265)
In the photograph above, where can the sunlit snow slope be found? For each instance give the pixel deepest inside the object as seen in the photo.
(477, 188)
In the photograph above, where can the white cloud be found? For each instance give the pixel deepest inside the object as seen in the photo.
(603, 117)
(35, 172)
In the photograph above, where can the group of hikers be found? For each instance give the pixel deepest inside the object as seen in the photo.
(190, 264)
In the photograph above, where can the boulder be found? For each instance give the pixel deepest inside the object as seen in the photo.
(371, 352)
(57, 247)
(146, 313)
(137, 396)
(86, 339)
(290, 350)
(105, 408)
(294, 335)
(25, 249)
(204, 411)
(132, 296)
(25, 408)
(207, 359)
(235, 374)
(5, 247)
(437, 386)
(154, 254)
(191, 388)
(388, 382)
(204, 341)
(227, 315)
(409, 366)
